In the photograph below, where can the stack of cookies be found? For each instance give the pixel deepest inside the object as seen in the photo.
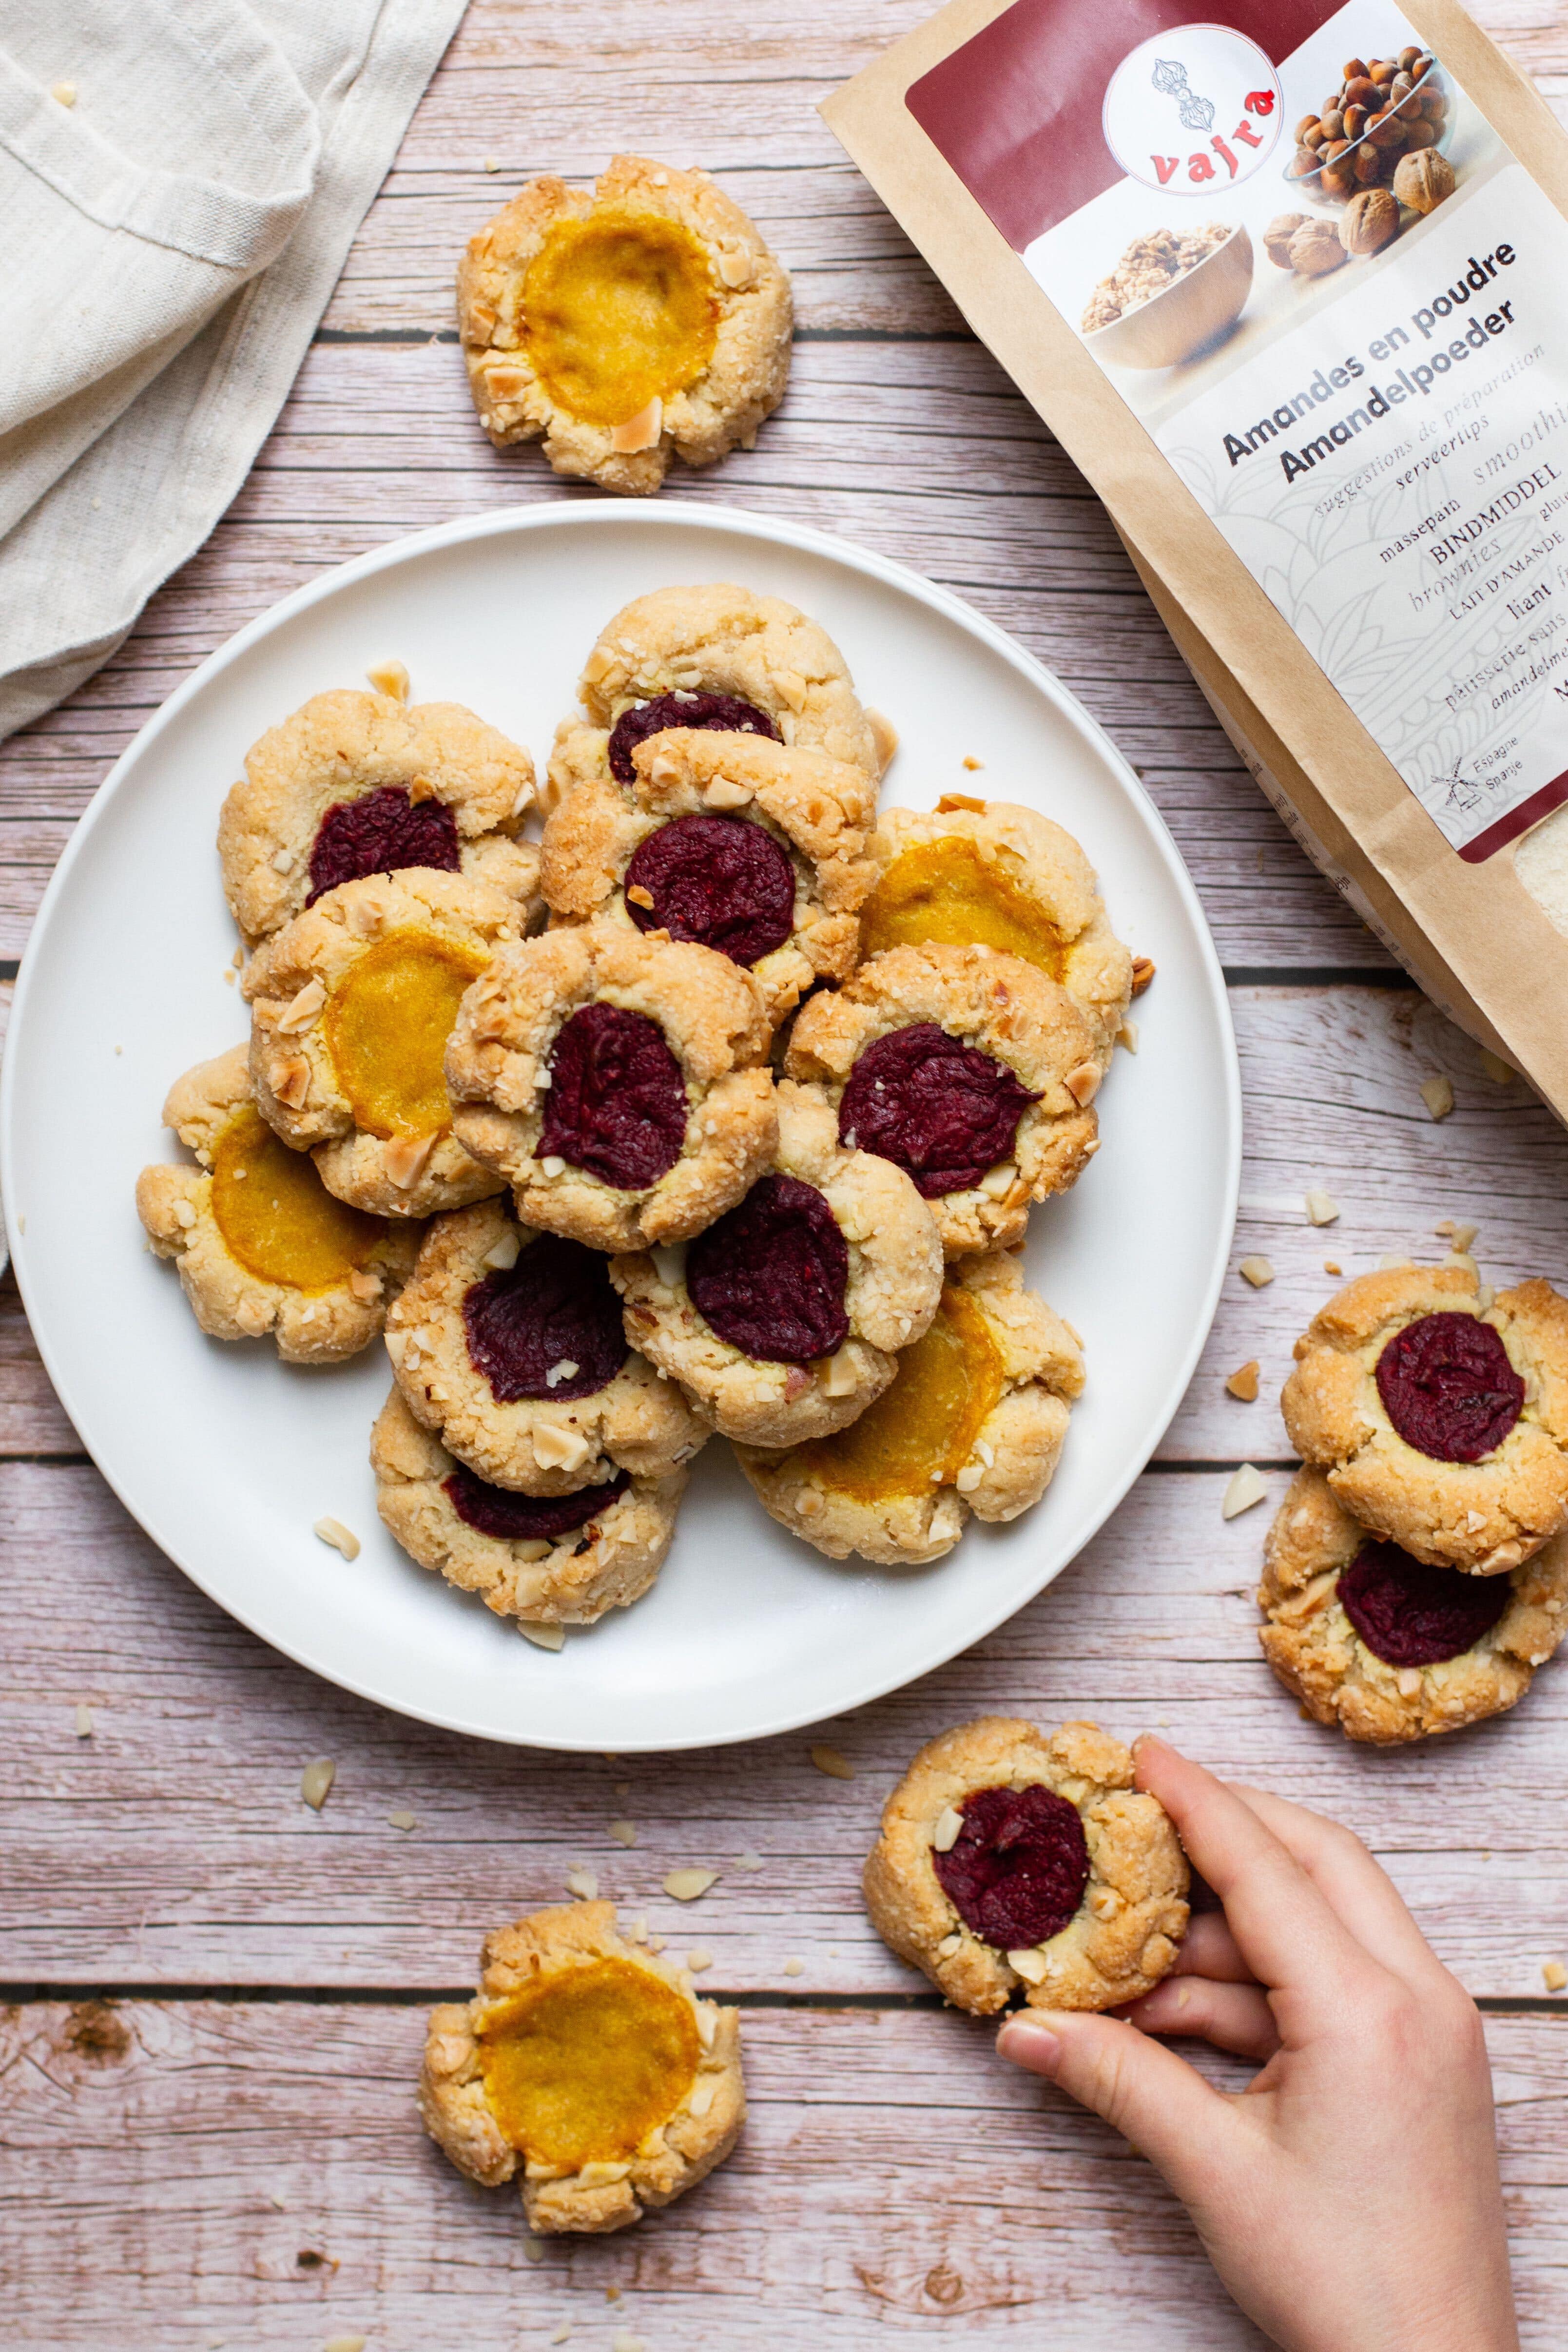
(721, 1110)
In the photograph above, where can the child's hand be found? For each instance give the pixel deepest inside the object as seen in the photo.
(1349, 2197)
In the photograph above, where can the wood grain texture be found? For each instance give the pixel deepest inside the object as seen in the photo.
(1331, 1081)
(176, 2167)
(172, 1846)
(255, 2173)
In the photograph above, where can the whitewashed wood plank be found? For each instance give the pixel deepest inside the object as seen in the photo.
(172, 1845)
(1332, 1080)
(255, 2173)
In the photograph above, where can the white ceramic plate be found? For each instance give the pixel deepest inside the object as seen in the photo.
(227, 1457)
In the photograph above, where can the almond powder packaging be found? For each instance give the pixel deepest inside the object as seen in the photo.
(1289, 283)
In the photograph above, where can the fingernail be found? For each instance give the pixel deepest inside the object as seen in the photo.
(1027, 2042)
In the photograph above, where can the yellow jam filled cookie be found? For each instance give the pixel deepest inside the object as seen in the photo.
(262, 1245)
(643, 320)
(993, 873)
(974, 1421)
(621, 309)
(921, 1431)
(387, 1023)
(945, 893)
(579, 2069)
(351, 1007)
(586, 2066)
(276, 1216)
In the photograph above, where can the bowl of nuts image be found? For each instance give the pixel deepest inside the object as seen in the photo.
(1173, 293)
(1381, 114)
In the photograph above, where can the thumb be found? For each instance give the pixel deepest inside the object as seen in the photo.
(1141, 2088)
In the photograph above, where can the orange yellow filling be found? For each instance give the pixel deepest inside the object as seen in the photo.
(387, 1021)
(921, 1431)
(276, 1215)
(619, 309)
(945, 893)
(580, 2067)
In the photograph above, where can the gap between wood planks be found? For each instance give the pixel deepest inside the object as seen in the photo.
(32, 1993)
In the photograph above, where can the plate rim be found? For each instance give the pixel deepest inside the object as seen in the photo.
(591, 514)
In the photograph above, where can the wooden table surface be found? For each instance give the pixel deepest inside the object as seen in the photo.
(217, 1994)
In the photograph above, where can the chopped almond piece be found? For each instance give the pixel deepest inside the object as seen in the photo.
(1243, 1384)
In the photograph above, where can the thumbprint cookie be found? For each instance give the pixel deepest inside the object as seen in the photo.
(262, 1248)
(627, 327)
(354, 784)
(1388, 1646)
(1439, 1412)
(586, 2069)
(784, 1320)
(1012, 1857)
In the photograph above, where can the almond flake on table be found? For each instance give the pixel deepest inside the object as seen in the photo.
(562, 2333)
(686, 1886)
(332, 1531)
(749, 1860)
(795, 1968)
(1438, 1094)
(346, 2344)
(830, 1760)
(401, 1821)
(1246, 1488)
(83, 1722)
(584, 1885)
(63, 93)
(972, 764)
(1555, 1974)
(273, 2197)
(624, 1832)
(1242, 1381)
(1332, 1265)
(626, 2342)
(316, 1780)
(699, 1959)
(1256, 1270)
(1321, 1207)
(533, 2250)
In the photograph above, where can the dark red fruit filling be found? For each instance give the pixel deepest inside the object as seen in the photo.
(1413, 1615)
(555, 1305)
(725, 712)
(379, 834)
(497, 1511)
(941, 1110)
(1018, 1872)
(770, 1276)
(718, 880)
(1449, 1388)
(616, 1104)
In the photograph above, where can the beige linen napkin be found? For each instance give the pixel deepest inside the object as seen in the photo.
(179, 181)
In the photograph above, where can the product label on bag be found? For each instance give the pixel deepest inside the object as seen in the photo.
(1339, 306)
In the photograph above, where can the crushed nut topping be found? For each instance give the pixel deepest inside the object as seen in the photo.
(830, 1760)
(1256, 1270)
(315, 1781)
(1243, 1382)
(332, 1531)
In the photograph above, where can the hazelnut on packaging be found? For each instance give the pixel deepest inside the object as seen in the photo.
(1278, 234)
(1423, 180)
(1369, 221)
(1315, 250)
